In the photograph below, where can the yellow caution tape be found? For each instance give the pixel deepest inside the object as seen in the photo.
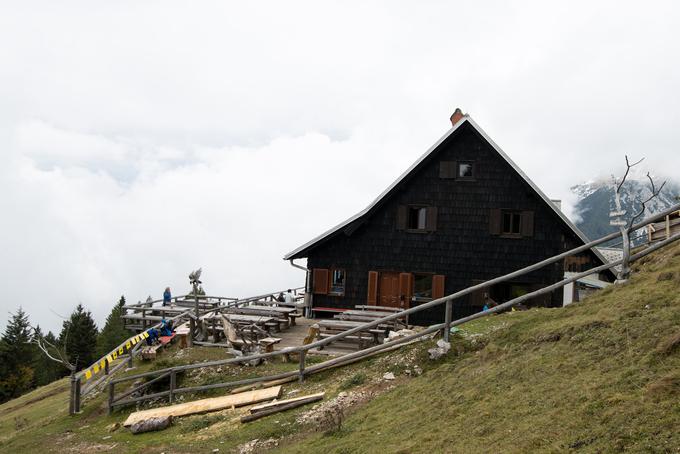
(115, 355)
(121, 350)
(128, 345)
(96, 368)
(88, 374)
(146, 334)
(102, 364)
(109, 358)
(134, 341)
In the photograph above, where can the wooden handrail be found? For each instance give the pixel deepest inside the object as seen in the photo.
(444, 300)
(377, 348)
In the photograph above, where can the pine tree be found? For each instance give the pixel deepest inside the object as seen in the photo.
(114, 331)
(16, 357)
(79, 337)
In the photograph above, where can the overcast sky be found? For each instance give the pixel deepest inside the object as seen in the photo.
(143, 139)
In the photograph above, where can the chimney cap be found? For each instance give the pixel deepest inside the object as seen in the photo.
(456, 116)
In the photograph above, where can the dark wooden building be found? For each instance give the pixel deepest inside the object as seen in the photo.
(461, 214)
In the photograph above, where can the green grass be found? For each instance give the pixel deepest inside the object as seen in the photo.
(599, 376)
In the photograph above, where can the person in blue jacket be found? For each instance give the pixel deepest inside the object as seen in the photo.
(166, 328)
(153, 336)
(167, 296)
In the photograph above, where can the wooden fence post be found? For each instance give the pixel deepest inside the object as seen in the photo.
(190, 336)
(76, 399)
(447, 321)
(173, 385)
(72, 395)
(111, 391)
(303, 353)
(106, 366)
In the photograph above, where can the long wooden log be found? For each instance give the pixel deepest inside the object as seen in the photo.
(206, 405)
(278, 409)
(280, 403)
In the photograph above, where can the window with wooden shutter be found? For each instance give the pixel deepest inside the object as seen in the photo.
(320, 277)
(437, 286)
(431, 219)
(402, 217)
(527, 223)
(447, 169)
(372, 298)
(405, 288)
(495, 220)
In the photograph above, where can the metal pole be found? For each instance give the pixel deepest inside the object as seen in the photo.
(447, 321)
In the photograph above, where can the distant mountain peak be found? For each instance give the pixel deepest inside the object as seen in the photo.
(595, 199)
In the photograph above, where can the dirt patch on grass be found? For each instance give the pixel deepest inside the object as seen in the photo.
(669, 344)
(664, 387)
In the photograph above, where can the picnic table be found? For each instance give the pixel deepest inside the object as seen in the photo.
(331, 327)
(290, 313)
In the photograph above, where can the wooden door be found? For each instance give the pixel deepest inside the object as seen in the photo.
(389, 289)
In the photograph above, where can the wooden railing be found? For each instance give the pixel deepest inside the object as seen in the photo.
(445, 327)
(104, 366)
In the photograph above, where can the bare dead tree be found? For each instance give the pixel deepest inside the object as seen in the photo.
(626, 226)
(55, 353)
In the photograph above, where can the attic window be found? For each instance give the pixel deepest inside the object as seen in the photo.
(465, 170)
(417, 218)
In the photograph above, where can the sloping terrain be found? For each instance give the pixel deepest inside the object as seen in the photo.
(598, 376)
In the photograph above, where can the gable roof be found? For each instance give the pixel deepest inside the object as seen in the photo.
(297, 253)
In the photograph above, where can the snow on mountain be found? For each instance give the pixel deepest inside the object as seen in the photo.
(595, 199)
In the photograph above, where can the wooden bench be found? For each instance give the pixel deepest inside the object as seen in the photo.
(378, 308)
(329, 310)
(149, 352)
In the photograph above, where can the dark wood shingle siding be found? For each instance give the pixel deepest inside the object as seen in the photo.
(462, 248)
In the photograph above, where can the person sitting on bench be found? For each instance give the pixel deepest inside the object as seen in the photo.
(166, 328)
(153, 336)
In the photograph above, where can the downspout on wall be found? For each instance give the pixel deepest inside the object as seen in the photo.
(308, 288)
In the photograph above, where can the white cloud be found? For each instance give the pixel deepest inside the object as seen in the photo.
(142, 139)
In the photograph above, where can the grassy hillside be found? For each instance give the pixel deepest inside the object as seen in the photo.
(599, 376)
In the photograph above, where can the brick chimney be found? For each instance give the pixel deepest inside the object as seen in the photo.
(456, 116)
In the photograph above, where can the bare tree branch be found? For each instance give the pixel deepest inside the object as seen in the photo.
(655, 193)
(625, 175)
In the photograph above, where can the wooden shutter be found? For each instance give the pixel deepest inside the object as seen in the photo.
(527, 223)
(448, 169)
(402, 217)
(495, 219)
(431, 219)
(437, 286)
(405, 287)
(320, 286)
(372, 298)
